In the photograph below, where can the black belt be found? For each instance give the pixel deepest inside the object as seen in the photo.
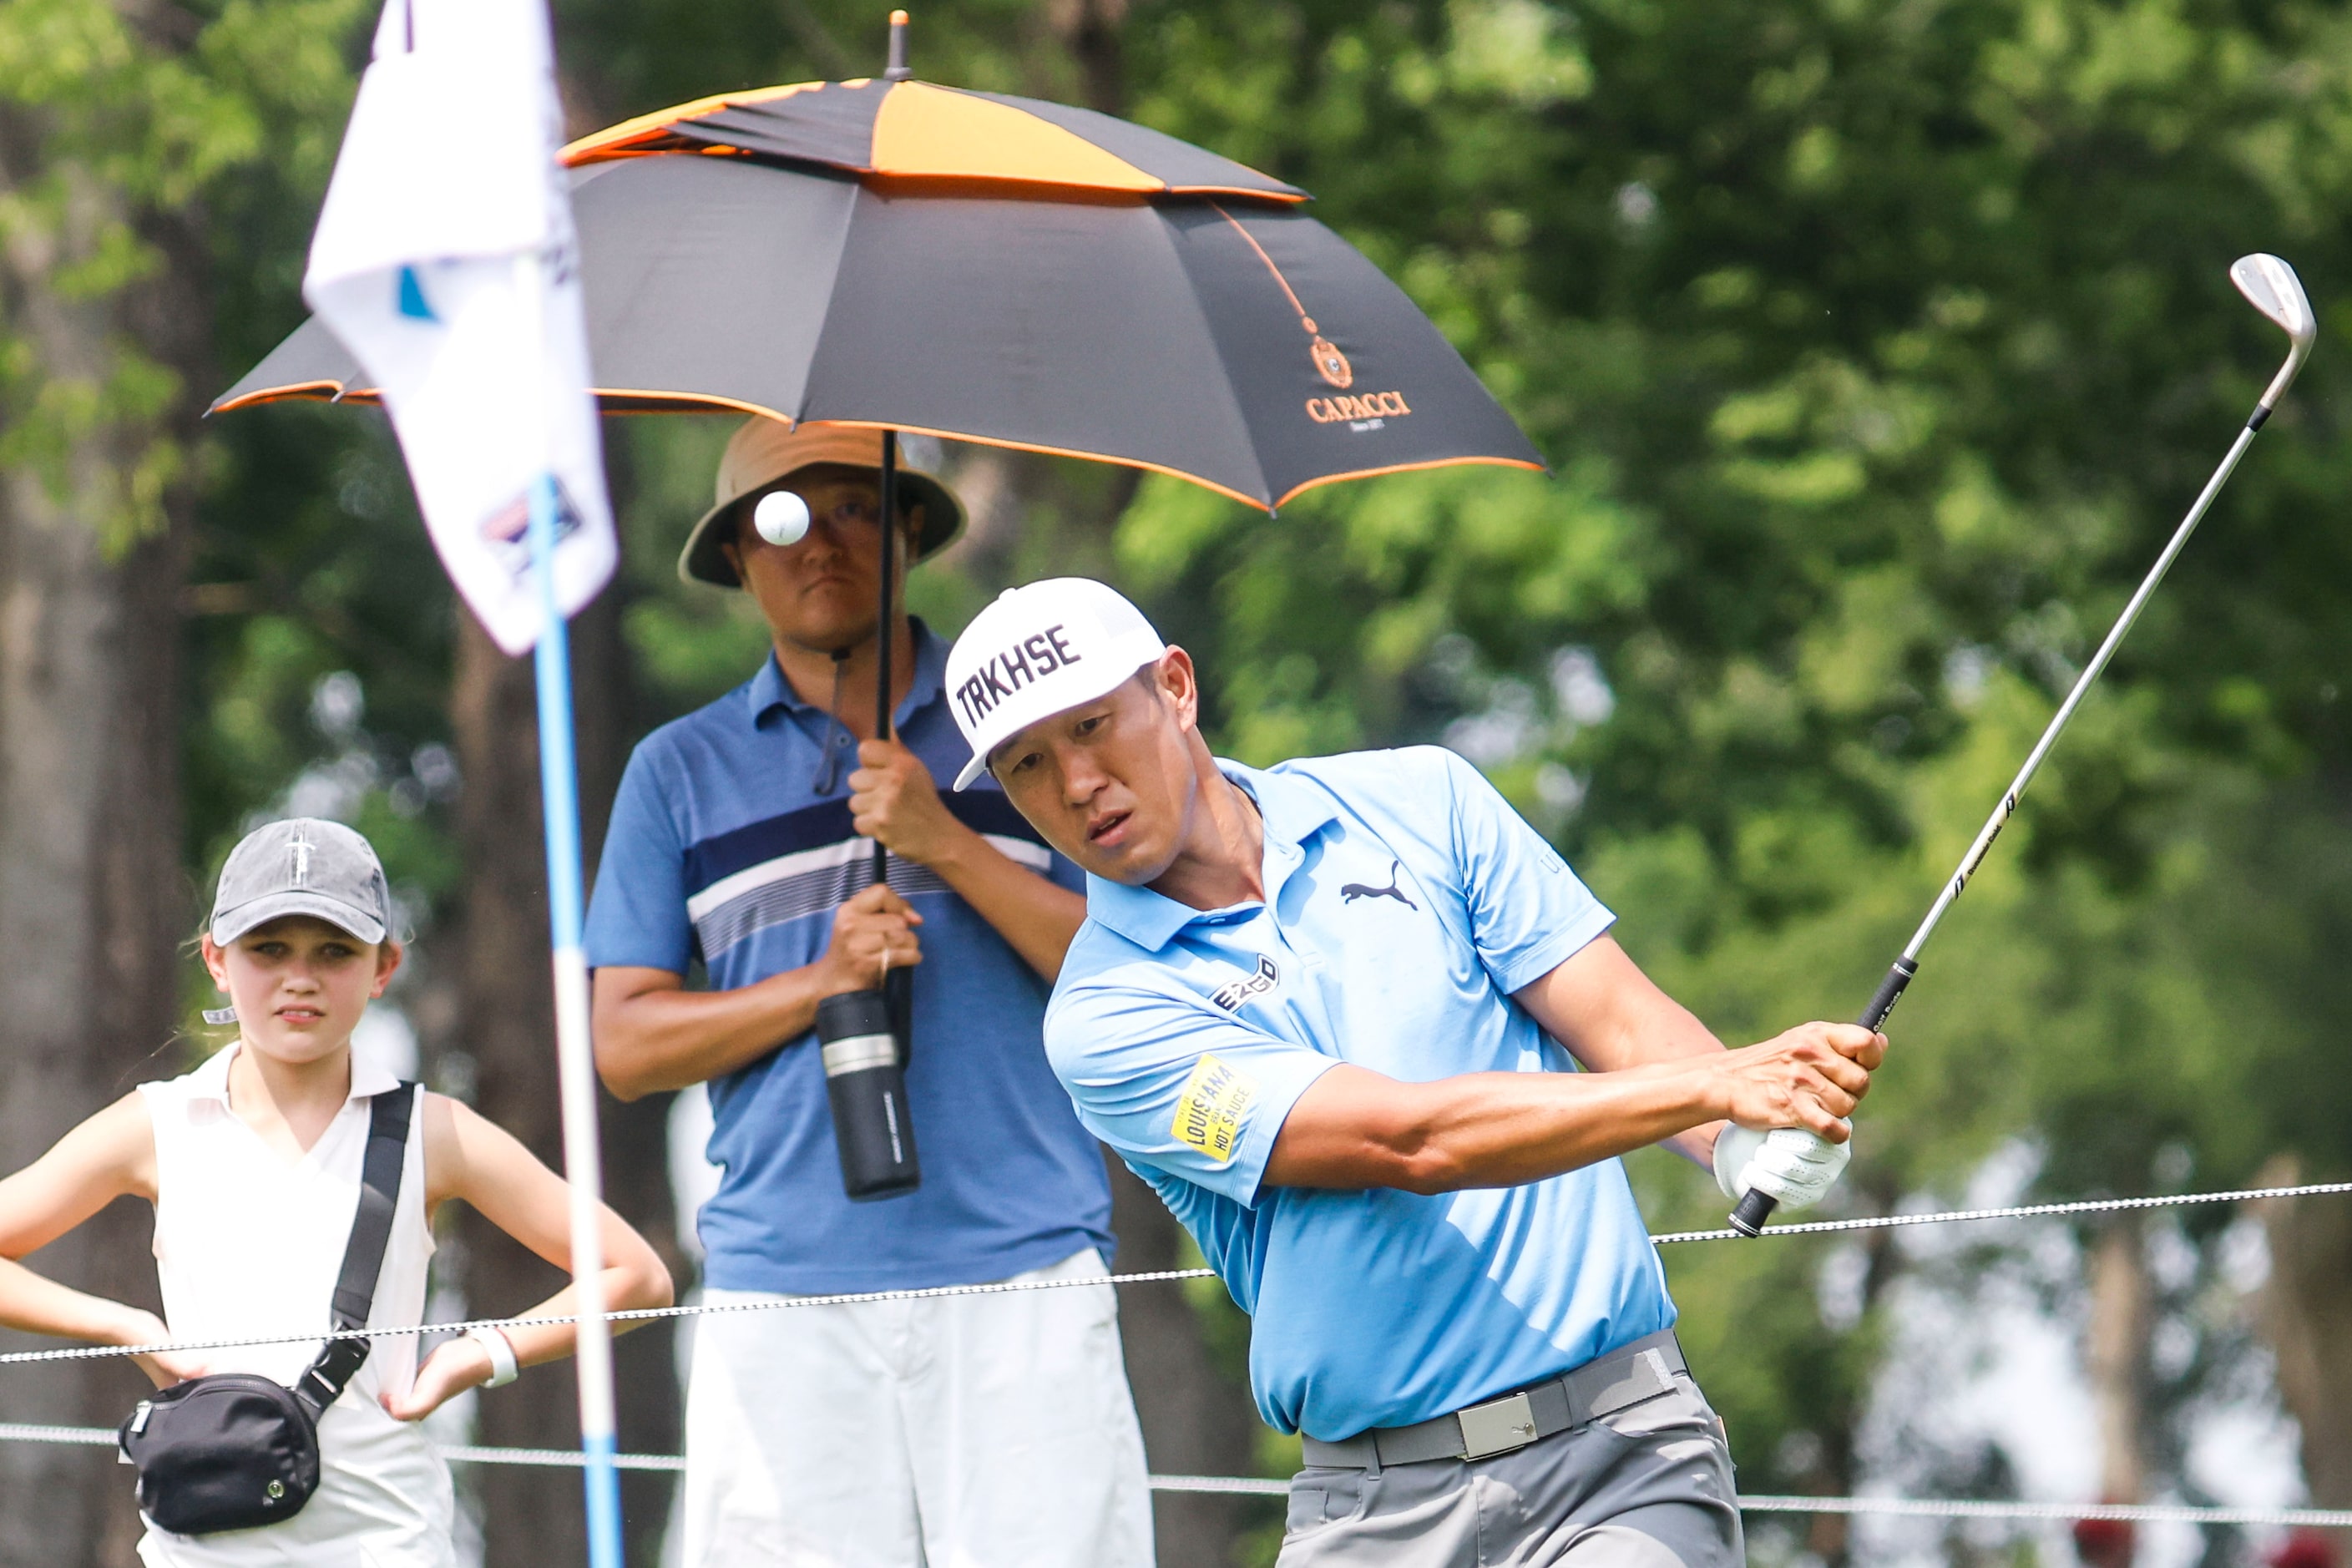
(1626, 1375)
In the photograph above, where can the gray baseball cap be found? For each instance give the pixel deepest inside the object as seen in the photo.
(304, 865)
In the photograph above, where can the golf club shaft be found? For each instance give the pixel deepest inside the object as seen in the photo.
(1756, 1207)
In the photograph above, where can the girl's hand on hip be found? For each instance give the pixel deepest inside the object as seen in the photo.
(163, 1371)
(448, 1372)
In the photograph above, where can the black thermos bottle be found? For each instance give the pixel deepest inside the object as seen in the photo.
(868, 1085)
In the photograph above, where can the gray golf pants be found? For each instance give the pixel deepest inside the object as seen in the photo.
(1648, 1486)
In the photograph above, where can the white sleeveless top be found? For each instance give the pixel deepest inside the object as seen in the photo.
(247, 1244)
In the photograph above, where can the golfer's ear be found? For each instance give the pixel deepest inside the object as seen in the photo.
(1178, 685)
(734, 555)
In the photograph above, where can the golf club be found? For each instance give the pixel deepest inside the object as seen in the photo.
(2271, 285)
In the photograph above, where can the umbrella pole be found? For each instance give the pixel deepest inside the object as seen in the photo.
(897, 985)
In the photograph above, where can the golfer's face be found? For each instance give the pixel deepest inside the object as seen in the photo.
(1108, 782)
(822, 591)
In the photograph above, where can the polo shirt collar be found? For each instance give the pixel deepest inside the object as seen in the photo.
(1290, 813)
(769, 691)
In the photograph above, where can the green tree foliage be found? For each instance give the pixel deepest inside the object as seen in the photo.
(130, 130)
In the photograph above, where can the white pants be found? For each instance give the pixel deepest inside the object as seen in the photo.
(958, 1432)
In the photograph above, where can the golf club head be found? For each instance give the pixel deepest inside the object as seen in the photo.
(2271, 285)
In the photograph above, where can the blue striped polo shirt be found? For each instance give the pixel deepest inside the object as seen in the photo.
(723, 849)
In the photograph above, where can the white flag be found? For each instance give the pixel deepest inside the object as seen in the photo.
(446, 263)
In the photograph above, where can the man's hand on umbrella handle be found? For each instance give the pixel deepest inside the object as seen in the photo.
(873, 933)
(894, 801)
(1794, 1167)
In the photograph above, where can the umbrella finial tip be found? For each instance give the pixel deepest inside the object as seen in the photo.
(898, 69)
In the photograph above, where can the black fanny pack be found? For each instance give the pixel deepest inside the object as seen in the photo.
(234, 1450)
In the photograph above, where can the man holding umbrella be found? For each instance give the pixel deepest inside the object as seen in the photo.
(975, 1430)
(1326, 1010)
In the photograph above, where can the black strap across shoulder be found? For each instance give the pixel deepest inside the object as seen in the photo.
(235, 1451)
(379, 1173)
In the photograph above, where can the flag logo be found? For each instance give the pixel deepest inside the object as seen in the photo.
(507, 531)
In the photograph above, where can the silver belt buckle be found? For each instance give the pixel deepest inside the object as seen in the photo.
(1497, 1426)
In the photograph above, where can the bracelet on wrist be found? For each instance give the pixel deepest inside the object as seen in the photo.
(500, 1350)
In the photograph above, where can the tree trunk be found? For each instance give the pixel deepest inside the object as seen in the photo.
(2115, 1358)
(91, 900)
(1091, 31)
(507, 1025)
(2307, 1316)
(1197, 1420)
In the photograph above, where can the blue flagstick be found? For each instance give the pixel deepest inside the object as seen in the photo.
(560, 802)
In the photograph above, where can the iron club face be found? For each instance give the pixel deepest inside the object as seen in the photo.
(2271, 285)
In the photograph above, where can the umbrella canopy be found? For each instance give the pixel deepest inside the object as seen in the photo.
(987, 276)
(912, 131)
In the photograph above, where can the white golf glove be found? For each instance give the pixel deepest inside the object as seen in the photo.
(1790, 1163)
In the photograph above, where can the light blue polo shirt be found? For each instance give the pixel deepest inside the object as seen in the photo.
(1406, 901)
(723, 847)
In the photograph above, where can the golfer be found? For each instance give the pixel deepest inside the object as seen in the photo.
(1327, 1009)
(979, 1431)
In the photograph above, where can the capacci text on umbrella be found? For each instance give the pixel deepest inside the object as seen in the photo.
(1372, 405)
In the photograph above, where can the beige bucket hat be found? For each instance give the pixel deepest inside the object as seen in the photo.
(765, 450)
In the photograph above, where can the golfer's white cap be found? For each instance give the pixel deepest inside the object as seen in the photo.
(1037, 651)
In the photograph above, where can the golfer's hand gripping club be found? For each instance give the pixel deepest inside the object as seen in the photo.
(1756, 1205)
(2271, 285)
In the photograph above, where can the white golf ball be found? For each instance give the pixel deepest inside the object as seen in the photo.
(782, 518)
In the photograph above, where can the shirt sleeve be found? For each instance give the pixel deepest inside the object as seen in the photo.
(636, 917)
(1528, 912)
(1170, 1081)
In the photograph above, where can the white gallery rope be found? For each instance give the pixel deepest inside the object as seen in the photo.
(1008, 1286)
(2136, 1513)
(1260, 1486)
(2024, 1211)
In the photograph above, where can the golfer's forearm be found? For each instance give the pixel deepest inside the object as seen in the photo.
(667, 1038)
(1036, 918)
(1612, 1017)
(1357, 1128)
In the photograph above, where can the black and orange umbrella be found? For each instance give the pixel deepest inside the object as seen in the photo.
(914, 258)
(998, 270)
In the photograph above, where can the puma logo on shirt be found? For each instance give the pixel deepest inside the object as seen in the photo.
(1354, 891)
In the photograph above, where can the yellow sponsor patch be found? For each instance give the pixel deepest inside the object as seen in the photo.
(1208, 1113)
